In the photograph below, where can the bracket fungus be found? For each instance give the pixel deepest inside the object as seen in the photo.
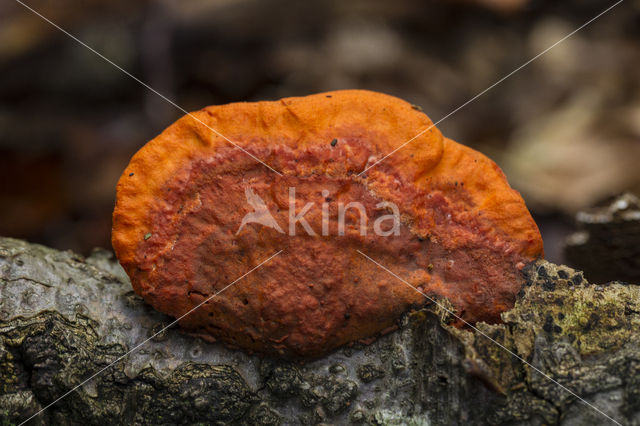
(461, 232)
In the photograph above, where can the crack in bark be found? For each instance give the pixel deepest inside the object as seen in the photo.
(12, 280)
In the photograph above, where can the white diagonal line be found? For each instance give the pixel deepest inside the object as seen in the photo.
(145, 341)
(493, 340)
(494, 85)
(148, 87)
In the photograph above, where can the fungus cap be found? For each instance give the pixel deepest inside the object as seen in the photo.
(178, 227)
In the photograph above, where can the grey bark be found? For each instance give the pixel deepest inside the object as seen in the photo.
(63, 318)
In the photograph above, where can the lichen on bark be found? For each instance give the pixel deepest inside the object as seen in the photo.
(64, 318)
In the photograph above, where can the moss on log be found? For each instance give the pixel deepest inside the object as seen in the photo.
(64, 317)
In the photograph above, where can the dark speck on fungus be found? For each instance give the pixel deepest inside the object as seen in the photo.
(542, 272)
(577, 278)
(548, 284)
(548, 324)
(465, 243)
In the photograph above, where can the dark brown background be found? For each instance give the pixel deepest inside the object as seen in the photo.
(566, 129)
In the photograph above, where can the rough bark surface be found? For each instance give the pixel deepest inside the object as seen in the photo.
(64, 317)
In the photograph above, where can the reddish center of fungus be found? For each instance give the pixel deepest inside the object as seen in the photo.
(320, 293)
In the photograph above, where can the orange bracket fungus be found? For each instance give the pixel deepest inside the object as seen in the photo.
(194, 213)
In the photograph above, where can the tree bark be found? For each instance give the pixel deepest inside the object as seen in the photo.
(64, 318)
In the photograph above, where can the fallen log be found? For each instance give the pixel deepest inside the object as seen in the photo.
(64, 318)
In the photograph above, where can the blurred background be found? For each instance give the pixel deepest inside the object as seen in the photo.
(566, 129)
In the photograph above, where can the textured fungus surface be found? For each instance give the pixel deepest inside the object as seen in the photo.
(464, 233)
